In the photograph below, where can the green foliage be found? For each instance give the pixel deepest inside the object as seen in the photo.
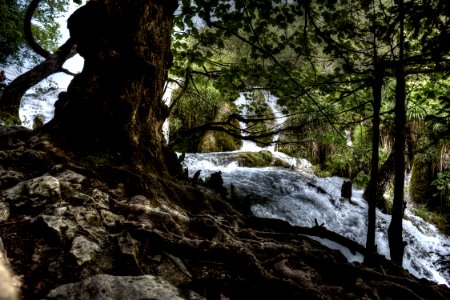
(318, 58)
(442, 185)
(255, 159)
(362, 146)
(13, 46)
(10, 120)
(199, 105)
(361, 179)
(440, 220)
(11, 28)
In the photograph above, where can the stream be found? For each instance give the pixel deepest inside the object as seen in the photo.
(299, 197)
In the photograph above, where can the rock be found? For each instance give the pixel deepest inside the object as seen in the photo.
(34, 192)
(108, 287)
(129, 249)
(9, 178)
(71, 177)
(216, 141)
(101, 199)
(61, 227)
(8, 284)
(7, 289)
(4, 211)
(215, 182)
(109, 219)
(83, 249)
(346, 190)
(38, 121)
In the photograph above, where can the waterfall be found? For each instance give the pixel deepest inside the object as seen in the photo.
(301, 198)
(271, 101)
(168, 90)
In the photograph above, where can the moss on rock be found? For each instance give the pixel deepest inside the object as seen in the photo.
(421, 177)
(217, 141)
(263, 158)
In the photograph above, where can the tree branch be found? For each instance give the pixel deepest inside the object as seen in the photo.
(28, 32)
(10, 101)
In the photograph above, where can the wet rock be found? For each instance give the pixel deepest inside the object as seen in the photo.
(215, 182)
(38, 121)
(106, 287)
(346, 190)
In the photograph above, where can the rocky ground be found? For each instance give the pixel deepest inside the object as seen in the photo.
(72, 232)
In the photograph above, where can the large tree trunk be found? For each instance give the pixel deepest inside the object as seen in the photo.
(113, 110)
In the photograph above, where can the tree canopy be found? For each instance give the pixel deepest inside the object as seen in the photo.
(332, 64)
(14, 47)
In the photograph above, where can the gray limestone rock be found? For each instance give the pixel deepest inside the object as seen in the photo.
(83, 249)
(71, 176)
(61, 227)
(108, 287)
(4, 211)
(34, 192)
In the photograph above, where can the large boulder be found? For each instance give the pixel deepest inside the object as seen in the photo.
(217, 141)
(108, 287)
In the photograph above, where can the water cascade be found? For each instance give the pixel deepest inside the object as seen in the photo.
(168, 90)
(271, 100)
(301, 198)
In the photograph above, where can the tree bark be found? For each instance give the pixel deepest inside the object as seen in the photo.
(385, 175)
(113, 110)
(396, 244)
(373, 195)
(28, 32)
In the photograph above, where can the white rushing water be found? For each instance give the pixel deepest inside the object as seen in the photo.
(279, 119)
(35, 104)
(301, 199)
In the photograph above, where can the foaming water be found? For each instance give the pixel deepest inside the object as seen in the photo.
(301, 198)
(279, 119)
(35, 104)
